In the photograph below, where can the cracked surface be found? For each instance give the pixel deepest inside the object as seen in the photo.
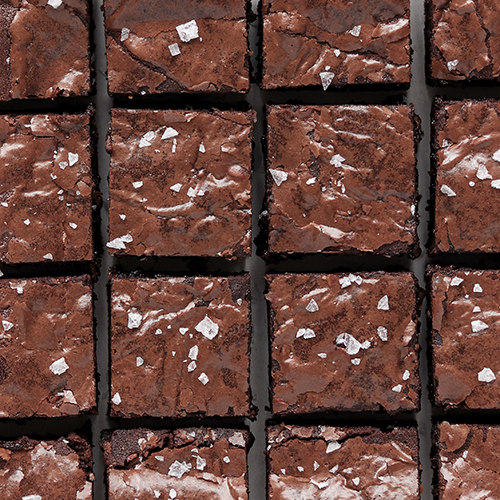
(44, 320)
(45, 203)
(195, 196)
(44, 51)
(141, 61)
(159, 363)
(58, 470)
(467, 461)
(466, 160)
(464, 40)
(464, 342)
(193, 463)
(351, 181)
(317, 373)
(321, 463)
(358, 42)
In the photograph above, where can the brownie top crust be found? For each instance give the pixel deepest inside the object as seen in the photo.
(180, 346)
(335, 462)
(46, 188)
(180, 183)
(44, 48)
(39, 470)
(344, 342)
(169, 46)
(186, 463)
(342, 179)
(335, 43)
(464, 40)
(466, 171)
(468, 461)
(465, 307)
(46, 347)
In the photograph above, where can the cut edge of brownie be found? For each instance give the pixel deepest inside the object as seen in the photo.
(376, 408)
(240, 287)
(396, 249)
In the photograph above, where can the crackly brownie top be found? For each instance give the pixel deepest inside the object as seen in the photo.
(170, 46)
(179, 346)
(467, 176)
(180, 183)
(46, 188)
(334, 462)
(334, 42)
(468, 464)
(344, 342)
(44, 48)
(464, 40)
(187, 464)
(46, 470)
(46, 347)
(465, 330)
(342, 179)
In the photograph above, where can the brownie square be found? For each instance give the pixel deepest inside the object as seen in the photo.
(344, 342)
(342, 179)
(341, 462)
(184, 464)
(164, 46)
(36, 470)
(46, 188)
(464, 337)
(180, 183)
(44, 49)
(462, 41)
(334, 43)
(466, 177)
(180, 346)
(466, 461)
(46, 347)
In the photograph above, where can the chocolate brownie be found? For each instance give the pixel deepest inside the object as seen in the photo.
(46, 188)
(342, 462)
(180, 183)
(46, 347)
(39, 470)
(183, 464)
(180, 346)
(466, 177)
(333, 43)
(344, 342)
(341, 179)
(466, 461)
(464, 337)
(164, 46)
(44, 48)
(463, 41)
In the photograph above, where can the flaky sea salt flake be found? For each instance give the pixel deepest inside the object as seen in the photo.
(383, 303)
(326, 79)
(447, 190)
(59, 366)
(279, 176)
(178, 469)
(169, 133)
(478, 326)
(207, 328)
(307, 333)
(125, 33)
(312, 306)
(486, 375)
(174, 49)
(188, 31)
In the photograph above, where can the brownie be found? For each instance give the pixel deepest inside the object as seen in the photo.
(180, 183)
(341, 179)
(187, 464)
(462, 41)
(466, 461)
(39, 470)
(465, 177)
(46, 347)
(342, 462)
(333, 43)
(163, 46)
(464, 337)
(46, 188)
(180, 346)
(44, 49)
(344, 342)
